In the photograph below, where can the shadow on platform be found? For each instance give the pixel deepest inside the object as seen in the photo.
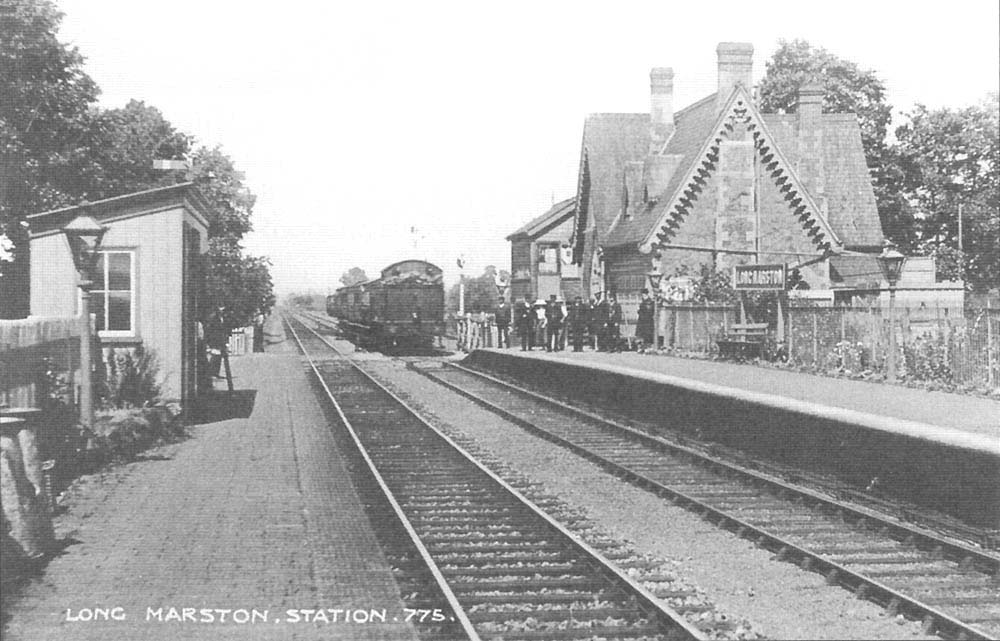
(220, 405)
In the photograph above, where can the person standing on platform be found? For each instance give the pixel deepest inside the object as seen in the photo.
(577, 319)
(553, 324)
(644, 327)
(540, 322)
(600, 324)
(502, 320)
(216, 338)
(614, 324)
(525, 323)
(258, 332)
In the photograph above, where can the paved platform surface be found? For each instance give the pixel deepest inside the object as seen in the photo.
(251, 513)
(957, 411)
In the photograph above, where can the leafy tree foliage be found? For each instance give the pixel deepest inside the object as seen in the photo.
(242, 283)
(480, 292)
(353, 276)
(44, 98)
(951, 158)
(58, 148)
(847, 89)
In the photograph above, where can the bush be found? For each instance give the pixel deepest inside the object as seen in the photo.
(123, 433)
(130, 378)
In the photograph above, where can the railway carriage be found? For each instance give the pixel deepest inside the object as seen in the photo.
(403, 307)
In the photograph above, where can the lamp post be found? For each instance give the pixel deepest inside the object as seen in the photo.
(890, 261)
(84, 235)
(655, 278)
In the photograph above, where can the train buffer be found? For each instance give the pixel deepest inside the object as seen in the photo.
(744, 341)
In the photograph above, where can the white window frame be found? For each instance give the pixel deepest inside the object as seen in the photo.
(99, 289)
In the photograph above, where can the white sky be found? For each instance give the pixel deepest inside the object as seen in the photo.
(356, 121)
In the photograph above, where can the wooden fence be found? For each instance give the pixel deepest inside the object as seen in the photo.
(34, 350)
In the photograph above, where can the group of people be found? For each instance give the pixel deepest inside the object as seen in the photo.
(596, 323)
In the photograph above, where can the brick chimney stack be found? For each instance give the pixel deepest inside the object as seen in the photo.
(661, 107)
(810, 106)
(735, 68)
(811, 166)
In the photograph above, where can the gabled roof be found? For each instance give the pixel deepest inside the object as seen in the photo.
(140, 203)
(692, 127)
(850, 199)
(610, 141)
(669, 213)
(849, 218)
(537, 226)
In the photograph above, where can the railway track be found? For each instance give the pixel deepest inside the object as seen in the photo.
(953, 588)
(506, 569)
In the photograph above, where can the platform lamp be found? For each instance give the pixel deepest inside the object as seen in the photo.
(890, 261)
(655, 278)
(85, 235)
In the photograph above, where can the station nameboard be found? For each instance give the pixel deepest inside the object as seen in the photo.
(772, 277)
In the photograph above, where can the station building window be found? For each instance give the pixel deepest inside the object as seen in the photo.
(112, 297)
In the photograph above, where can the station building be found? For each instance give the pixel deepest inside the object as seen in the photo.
(541, 256)
(716, 183)
(148, 279)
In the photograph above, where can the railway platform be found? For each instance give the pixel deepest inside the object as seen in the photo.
(253, 520)
(938, 450)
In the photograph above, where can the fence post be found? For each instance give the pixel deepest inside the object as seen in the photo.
(691, 328)
(815, 338)
(791, 333)
(991, 351)
(843, 325)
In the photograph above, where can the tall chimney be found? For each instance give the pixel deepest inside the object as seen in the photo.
(661, 107)
(810, 165)
(735, 68)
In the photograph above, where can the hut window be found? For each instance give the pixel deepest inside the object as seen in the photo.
(113, 296)
(548, 259)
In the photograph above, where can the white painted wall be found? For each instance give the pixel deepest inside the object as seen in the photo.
(157, 240)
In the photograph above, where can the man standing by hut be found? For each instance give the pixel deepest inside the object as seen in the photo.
(217, 339)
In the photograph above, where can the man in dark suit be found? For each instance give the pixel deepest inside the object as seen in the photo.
(577, 320)
(502, 319)
(553, 324)
(600, 322)
(644, 327)
(524, 317)
(615, 317)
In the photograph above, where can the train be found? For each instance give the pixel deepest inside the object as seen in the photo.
(403, 307)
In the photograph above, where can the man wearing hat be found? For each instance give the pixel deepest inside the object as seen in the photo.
(615, 317)
(525, 322)
(502, 320)
(553, 324)
(577, 320)
(644, 327)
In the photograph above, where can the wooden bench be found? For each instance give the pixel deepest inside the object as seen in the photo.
(744, 341)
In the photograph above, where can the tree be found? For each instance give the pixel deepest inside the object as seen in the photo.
(951, 158)
(241, 283)
(847, 88)
(480, 293)
(44, 100)
(353, 276)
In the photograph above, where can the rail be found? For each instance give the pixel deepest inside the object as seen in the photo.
(489, 513)
(733, 511)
